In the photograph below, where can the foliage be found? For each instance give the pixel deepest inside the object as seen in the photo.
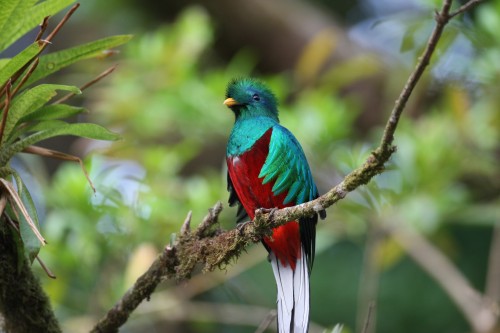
(29, 112)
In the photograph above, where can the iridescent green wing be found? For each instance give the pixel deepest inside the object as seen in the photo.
(287, 166)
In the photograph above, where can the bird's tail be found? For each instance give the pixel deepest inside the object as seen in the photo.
(293, 294)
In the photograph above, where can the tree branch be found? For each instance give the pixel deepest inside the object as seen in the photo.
(493, 276)
(214, 248)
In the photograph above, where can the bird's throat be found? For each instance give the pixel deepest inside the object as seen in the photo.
(246, 132)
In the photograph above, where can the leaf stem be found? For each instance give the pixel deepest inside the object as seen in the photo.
(88, 84)
(6, 108)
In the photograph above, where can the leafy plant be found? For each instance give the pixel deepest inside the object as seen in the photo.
(29, 112)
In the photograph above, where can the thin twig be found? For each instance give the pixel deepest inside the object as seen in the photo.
(271, 316)
(88, 84)
(45, 152)
(6, 108)
(45, 268)
(25, 78)
(442, 19)
(369, 279)
(186, 226)
(465, 7)
(371, 307)
(492, 289)
(15, 201)
(209, 220)
(15, 226)
(3, 203)
(11, 222)
(61, 23)
(43, 27)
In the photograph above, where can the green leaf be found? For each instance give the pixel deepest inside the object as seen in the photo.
(25, 17)
(30, 101)
(42, 126)
(11, 16)
(53, 62)
(4, 62)
(410, 36)
(408, 42)
(8, 7)
(20, 131)
(20, 209)
(31, 242)
(17, 62)
(53, 111)
(86, 130)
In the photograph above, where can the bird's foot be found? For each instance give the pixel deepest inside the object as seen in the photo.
(270, 211)
(241, 226)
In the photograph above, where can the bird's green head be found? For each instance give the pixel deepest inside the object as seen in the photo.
(251, 98)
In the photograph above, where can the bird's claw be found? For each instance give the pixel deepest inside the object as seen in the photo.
(270, 211)
(241, 226)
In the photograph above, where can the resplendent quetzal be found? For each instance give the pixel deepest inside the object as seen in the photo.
(268, 169)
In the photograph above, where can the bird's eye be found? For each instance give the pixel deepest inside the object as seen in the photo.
(256, 97)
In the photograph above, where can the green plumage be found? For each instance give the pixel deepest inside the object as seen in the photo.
(287, 165)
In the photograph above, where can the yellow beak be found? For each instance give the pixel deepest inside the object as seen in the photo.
(229, 102)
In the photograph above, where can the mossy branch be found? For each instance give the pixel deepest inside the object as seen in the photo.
(24, 305)
(209, 247)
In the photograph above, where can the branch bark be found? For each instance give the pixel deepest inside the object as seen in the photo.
(214, 248)
(493, 277)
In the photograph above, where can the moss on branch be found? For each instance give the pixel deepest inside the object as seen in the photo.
(23, 303)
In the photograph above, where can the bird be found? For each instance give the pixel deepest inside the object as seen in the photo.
(267, 169)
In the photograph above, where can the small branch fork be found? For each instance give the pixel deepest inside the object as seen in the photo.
(215, 248)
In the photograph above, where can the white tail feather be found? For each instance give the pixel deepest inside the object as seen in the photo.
(293, 295)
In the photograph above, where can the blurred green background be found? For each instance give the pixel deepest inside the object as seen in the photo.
(337, 68)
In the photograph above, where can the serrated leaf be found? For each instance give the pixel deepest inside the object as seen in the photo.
(53, 62)
(31, 243)
(53, 111)
(86, 130)
(26, 17)
(30, 101)
(18, 61)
